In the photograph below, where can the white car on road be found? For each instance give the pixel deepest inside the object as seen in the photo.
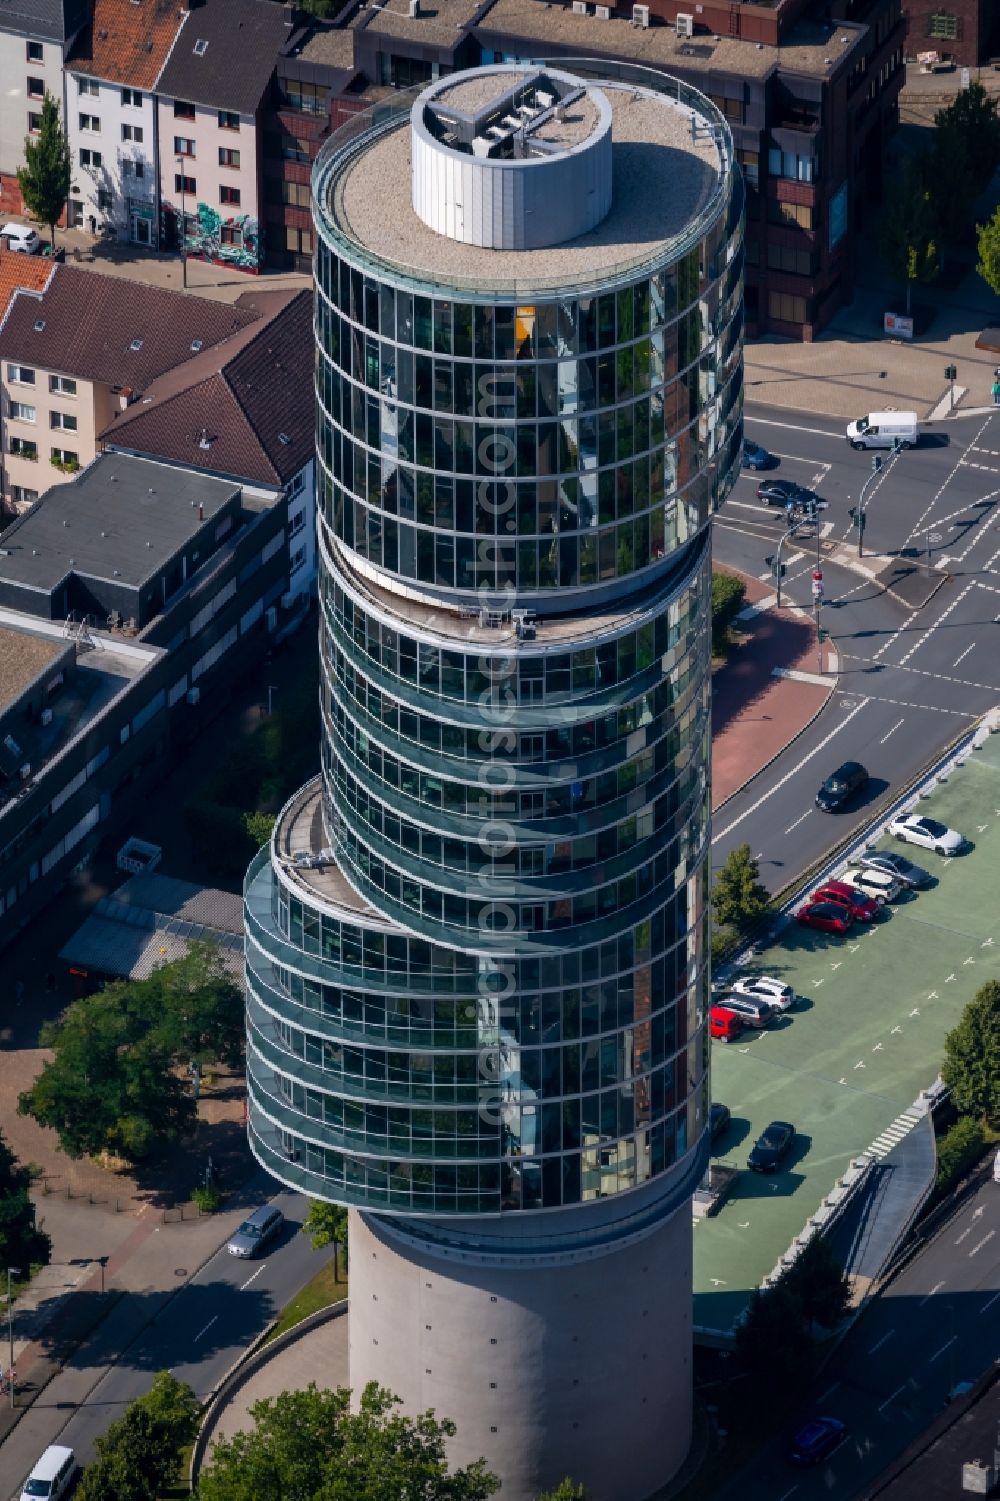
(874, 883)
(765, 988)
(912, 828)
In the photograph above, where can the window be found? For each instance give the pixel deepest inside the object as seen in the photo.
(296, 522)
(733, 109)
(132, 97)
(20, 375)
(104, 198)
(20, 411)
(298, 241)
(136, 169)
(22, 448)
(89, 122)
(799, 214)
(183, 111)
(183, 146)
(36, 88)
(295, 194)
(750, 162)
(65, 456)
(22, 496)
(294, 150)
(90, 158)
(228, 158)
(62, 421)
(297, 559)
(940, 24)
(132, 133)
(184, 184)
(230, 196)
(61, 385)
(228, 120)
(230, 235)
(34, 123)
(786, 308)
(33, 52)
(88, 86)
(310, 98)
(787, 164)
(795, 262)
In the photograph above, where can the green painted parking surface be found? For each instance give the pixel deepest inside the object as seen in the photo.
(867, 1038)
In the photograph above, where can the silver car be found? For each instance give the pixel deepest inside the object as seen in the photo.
(256, 1232)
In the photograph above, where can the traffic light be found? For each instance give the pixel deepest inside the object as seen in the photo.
(858, 518)
(876, 464)
(951, 372)
(823, 633)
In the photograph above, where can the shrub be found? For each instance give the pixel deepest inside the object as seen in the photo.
(728, 596)
(958, 1150)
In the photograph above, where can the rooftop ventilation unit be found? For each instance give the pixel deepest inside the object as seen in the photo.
(602, 12)
(200, 47)
(196, 345)
(684, 23)
(414, 10)
(39, 325)
(640, 16)
(580, 8)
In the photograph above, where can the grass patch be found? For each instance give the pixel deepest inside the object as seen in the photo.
(320, 1292)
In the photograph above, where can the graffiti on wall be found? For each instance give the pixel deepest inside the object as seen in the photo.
(225, 242)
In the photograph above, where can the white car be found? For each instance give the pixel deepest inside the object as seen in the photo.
(873, 883)
(765, 988)
(21, 238)
(913, 828)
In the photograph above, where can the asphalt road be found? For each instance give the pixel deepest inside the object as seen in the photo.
(201, 1331)
(938, 1323)
(911, 680)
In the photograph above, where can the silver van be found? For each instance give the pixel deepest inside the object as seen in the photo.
(884, 430)
(256, 1232)
(52, 1476)
(751, 1011)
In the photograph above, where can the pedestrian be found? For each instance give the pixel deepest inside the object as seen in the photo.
(996, 393)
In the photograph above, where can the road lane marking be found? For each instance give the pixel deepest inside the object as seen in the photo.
(895, 1394)
(251, 1279)
(964, 1236)
(795, 825)
(935, 1289)
(980, 1243)
(206, 1329)
(831, 1389)
(789, 774)
(818, 432)
(895, 727)
(946, 1346)
(789, 1493)
(926, 635)
(883, 1341)
(964, 655)
(990, 1303)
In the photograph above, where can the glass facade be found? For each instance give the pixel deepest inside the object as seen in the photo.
(477, 950)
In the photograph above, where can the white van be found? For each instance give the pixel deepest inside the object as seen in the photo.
(883, 430)
(52, 1476)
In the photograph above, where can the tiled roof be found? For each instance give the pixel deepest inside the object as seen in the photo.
(244, 409)
(225, 54)
(29, 271)
(127, 41)
(110, 329)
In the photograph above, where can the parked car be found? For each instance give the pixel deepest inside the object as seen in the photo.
(912, 828)
(778, 492)
(718, 1119)
(874, 883)
(828, 917)
(755, 457)
(902, 870)
(724, 1025)
(53, 1476)
(816, 1440)
(752, 1011)
(256, 1233)
(841, 785)
(862, 908)
(765, 988)
(771, 1146)
(21, 238)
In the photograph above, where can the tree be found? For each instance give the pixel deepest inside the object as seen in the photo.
(819, 1282)
(773, 1347)
(139, 1455)
(22, 1245)
(958, 1150)
(988, 243)
(949, 174)
(200, 1005)
(309, 1444)
(739, 897)
(972, 1056)
(566, 1490)
(969, 130)
(728, 595)
(326, 1224)
(44, 179)
(908, 229)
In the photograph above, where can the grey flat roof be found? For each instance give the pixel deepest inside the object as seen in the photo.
(104, 519)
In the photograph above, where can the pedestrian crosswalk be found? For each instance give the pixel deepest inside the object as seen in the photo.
(893, 1135)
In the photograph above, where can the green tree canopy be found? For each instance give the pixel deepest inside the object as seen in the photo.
(968, 132)
(988, 244)
(907, 233)
(139, 1454)
(819, 1282)
(728, 595)
(326, 1225)
(44, 179)
(773, 1347)
(200, 1006)
(310, 1445)
(21, 1244)
(739, 897)
(972, 1056)
(566, 1490)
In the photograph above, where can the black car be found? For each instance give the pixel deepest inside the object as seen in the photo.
(779, 492)
(816, 1440)
(898, 867)
(770, 1147)
(841, 785)
(755, 457)
(718, 1120)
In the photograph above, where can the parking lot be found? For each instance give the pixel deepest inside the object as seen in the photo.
(864, 1040)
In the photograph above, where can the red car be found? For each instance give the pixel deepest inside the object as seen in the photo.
(829, 917)
(862, 908)
(724, 1024)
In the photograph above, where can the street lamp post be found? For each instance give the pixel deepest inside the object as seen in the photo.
(183, 236)
(12, 1271)
(776, 560)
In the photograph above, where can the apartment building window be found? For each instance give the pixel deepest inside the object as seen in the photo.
(230, 235)
(183, 146)
(787, 164)
(90, 158)
(36, 88)
(33, 52)
(88, 87)
(184, 184)
(183, 111)
(734, 109)
(62, 422)
(22, 496)
(795, 262)
(132, 133)
(23, 448)
(62, 385)
(104, 199)
(943, 26)
(132, 97)
(294, 150)
(228, 158)
(90, 122)
(784, 307)
(295, 194)
(298, 241)
(34, 123)
(310, 98)
(801, 215)
(230, 196)
(20, 411)
(134, 169)
(65, 456)
(228, 120)
(20, 375)
(750, 162)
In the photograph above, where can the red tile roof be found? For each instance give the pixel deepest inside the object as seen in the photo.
(29, 271)
(128, 41)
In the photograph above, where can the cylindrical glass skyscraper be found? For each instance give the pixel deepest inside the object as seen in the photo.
(477, 948)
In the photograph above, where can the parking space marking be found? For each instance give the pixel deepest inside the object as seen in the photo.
(990, 1303)
(898, 1392)
(899, 723)
(964, 654)
(946, 1346)
(883, 1341)
(935, 1289)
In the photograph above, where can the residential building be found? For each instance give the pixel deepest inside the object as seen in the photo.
(112, 119)
(965, 32)
(35, 38)
(132, 602)
(80, 350)
(477, 955)
(211, 91)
